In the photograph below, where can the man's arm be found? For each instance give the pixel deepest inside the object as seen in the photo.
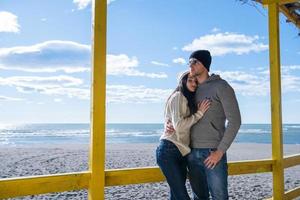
(233, 116)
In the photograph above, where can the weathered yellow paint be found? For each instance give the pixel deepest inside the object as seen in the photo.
(133, 176)
(153, 174)
(292, 160)
(275, 81)
(98, 95)
(249, 167)
(277, 1)
(63, 182)
(291, 17)
(292, 194)
(22, 186)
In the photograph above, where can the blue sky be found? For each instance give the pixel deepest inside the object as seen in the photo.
(45, 58)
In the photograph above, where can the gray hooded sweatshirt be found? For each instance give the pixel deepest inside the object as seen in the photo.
(210, 130)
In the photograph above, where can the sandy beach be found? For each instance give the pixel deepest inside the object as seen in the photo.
(51, 159)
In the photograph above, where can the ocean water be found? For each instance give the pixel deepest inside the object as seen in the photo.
(30, 134)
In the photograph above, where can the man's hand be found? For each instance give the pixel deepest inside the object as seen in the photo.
(169, 129)
(212, 160)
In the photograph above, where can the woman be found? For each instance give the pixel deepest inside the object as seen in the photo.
(170, 154)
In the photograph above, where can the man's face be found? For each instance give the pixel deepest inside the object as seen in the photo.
(196, 67)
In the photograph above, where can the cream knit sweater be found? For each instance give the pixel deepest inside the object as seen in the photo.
(177, 111)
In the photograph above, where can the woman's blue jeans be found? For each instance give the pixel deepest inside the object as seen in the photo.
(174, 167)
(204, 180)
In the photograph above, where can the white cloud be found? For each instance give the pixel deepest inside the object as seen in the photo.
(47, 56)
(258, 83)
(245, 83)
(123, 65)
(181, 61)
(159, 64)
(109, 1)
(66, 56)
(54, 46)
(54, 86)
(226, 43)
(121, 62)
(5, 98)
(48, 69)
(44, 19)
(23, 80)
(66, 86)
(214, 30)
(80, 93)
(57, 100)
(290, 83)
(81, 4)
(290, 67)
(9, 22)
(136, 94)
(175, 48)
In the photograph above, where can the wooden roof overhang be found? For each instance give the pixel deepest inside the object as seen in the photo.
(290, 8)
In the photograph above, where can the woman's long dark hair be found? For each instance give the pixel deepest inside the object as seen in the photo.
(190, 96)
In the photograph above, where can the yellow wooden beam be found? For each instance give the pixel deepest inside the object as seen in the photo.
(281, 2)
(114, 177)
(133, 176)
(249, 167)
(98, 95)
(292, 194)
(290, 16)
(153, 174)
(22, 186)
(291, 161)
(275, 81)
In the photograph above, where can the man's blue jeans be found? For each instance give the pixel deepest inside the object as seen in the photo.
(204, 180)
(173, 165)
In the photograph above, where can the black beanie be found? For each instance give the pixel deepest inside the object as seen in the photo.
(203, 56)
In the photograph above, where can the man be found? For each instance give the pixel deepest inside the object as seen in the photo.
(210, 139)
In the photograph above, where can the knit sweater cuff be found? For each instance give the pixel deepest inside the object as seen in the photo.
(222, 147)
(199, 114)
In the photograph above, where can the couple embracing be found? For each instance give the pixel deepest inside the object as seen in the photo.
(196, 135)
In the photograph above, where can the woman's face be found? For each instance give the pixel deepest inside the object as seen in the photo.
(191, 83)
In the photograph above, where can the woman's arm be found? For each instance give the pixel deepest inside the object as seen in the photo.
(179, 107)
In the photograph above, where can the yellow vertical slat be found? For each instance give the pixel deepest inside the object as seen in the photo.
(275, 80)
(98, 94)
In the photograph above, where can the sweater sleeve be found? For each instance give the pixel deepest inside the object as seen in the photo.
(233, 116)
(178, 108)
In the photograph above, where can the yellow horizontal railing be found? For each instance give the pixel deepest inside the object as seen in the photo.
(116, 177)
(22, 186)
(153, 174)
(292, 194)
(292, 160)
(250, 167)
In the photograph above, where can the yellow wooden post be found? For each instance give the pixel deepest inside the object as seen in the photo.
(98, 94)
(275, 80)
